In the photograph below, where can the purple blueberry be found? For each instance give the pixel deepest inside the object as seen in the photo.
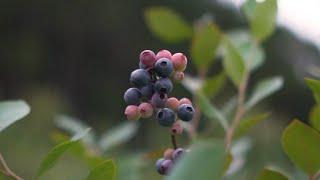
(166, 166)
(164, 67)
(140, 77)
(178, 153)
(166, 117)
(147, 91)
(148, 58)
(159, 100)
(158, 166)
(132, 96)
(185, 112)
(163, 85)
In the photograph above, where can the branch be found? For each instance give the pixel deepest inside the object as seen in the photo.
(174, 142)
(6, 170)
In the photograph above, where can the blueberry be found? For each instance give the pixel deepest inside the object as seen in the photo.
(185, 101)
(148, 58)
(163, 54)
(132, 112)
(159, 100)
(166, 117)
(132, 96)
(142, 66)
(164, 67)
(178, 76)
(147, 91)
(185, 112)
(163, 85)
(158, 166)
(178, 153)
(168, 153)
(177, 128)
(172, 103)
(140, 77)
(179, 61)
(146, 110)
(166, 166)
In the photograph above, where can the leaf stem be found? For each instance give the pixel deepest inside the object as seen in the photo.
(6, 170)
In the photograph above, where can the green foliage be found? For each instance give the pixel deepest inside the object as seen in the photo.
(204, 44)
(264, 89)
(314, 85)
(302, 145)
(52, 157)
(105, 170)
(262, 17)
(207, 160)
(246, 124)
(167, 25)
(214, 84)
(268, 174)
(315, 117)
(12, 111)
(233, 63)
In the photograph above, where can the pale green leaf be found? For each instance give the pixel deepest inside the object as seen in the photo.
(315, 117)
(314, 85)
(214, 84)
(233, 63)
(268, 174)
(302, 144)
(167, 25)
(104, 171)
(204, 45)
(245, 124)
(206, 160)
(264, 89)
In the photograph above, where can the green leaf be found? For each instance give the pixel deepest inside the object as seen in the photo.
(302, 145)
(262, 18)
(167, 25)
(12, 111)
(130, 167)
(246, 124)
(314, 85)
(268, 174)
(315, 117)
(52, 157)
(233, 63)
(210, 111)
(251, 52)
(214, 84)
(117, 135)
(204, 45)
(206, 160)
(104, 171)
(264, 89)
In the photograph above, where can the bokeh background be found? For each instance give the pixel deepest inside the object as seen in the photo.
(75, 57)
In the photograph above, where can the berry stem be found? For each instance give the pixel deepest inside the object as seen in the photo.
(6, 170)
(174, 141)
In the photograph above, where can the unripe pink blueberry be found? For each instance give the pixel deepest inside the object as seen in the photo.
(132, 112)
(163, 54)
(185, 101)
(178, 76)
(168, 153)
(146, 110)
(177, 128)
(179, 61)
(148, 58)
(172, 103)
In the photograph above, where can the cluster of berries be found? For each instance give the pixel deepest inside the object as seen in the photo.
(170, 157)
(152, 84)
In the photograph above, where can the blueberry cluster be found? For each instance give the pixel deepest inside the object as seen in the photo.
(170, 157)
(152, 85)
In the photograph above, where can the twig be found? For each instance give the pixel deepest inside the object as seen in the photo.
(7, 171)
(174, 141)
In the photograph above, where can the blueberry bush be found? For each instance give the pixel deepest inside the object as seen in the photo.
(217, 135)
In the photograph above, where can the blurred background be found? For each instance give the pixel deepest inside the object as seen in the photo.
(75, 58)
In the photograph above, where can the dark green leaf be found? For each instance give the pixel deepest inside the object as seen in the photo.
(264, 89)
(52, 157)
(12, 111)
(210, 111)
(246, 124)
(302, 145)
(233, 63)
(314, 85)
(104, 171)
(167, 25)
(214, 84)
(315, 117)
(205, 42)
(262, 17)
(267, 174)
(251, 52)
(206, 160)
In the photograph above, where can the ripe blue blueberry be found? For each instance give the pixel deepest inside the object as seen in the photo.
(140, 77)
(178, 153)
(185, 112)
(132, 96)
(164, 67)
(158, 166)
(166, 117)
(159, 100)
(163, 85)
(147, 91)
